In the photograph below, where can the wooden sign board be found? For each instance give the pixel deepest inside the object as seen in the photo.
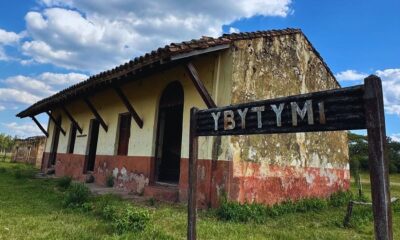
(359, 107)
(338, 109)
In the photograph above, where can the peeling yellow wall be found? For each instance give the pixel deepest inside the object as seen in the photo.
(265, 68)
(144, 95)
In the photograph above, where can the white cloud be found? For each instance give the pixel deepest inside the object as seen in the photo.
(26, 90)
(31, 85)
(350, 75)
(2, 108)
(395, 137)
(390, 83)
(9, 38)
(391, 89)
(23, 129)
(62, 79)
(233, 30)
(94, 35)
(14, 96)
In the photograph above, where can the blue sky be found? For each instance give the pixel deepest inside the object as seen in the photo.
(47, 45)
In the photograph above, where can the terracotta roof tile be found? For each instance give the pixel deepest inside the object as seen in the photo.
(148, 60)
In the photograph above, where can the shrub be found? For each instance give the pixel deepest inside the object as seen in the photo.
(361, 215)
(128, 218)
(311, 204)
(64, 182)
(340, 198)
(76, 195)
(110, 181)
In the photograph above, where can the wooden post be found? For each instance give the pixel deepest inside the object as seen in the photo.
(378, 164)
(128, 106)
(194, 76)
(57, 124)
(72, 119)
(192, 197)
(96, 114)
(40, 126)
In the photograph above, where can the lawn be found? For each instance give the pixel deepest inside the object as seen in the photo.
(32, 209)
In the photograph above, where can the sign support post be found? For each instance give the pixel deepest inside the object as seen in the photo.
(192, 193)
(378, 165)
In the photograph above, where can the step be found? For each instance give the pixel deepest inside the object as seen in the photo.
(168, 193)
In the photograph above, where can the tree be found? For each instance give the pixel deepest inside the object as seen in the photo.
(358, 153)
(7, 142)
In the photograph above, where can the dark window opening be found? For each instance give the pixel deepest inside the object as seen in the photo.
(169, 134)
(54, 144)
(72, 137)
(92, 145)
(124, 134)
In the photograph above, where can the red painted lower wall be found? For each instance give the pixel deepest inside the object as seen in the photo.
(279, 183)
(268, 184)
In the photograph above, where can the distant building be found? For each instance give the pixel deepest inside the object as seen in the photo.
(29, 150)
(132, 122)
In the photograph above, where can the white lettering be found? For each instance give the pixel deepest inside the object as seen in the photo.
(229, 121)
(258, 110)
(216, 117)
(302, 112)
(278, 112)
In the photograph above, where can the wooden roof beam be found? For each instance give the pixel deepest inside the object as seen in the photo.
(58, 125)
(72, 119)
(96, 114)
(40, 126)
(194, 76)
(128, 105)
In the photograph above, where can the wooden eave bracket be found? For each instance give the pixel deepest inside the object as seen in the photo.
(71, 118)
(56, 123)
(40, 126)
(129, 106)
(194, 76)
(96, 114)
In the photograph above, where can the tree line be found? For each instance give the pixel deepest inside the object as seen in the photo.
(358, 153)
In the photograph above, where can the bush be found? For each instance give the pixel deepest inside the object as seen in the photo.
(110, 181)
(127, 218)
(311, 204)
(76, 195)
(64, 182)
(340, 198)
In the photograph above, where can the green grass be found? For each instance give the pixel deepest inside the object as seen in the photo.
(32, 209)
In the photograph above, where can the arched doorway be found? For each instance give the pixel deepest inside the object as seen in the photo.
(169, 134)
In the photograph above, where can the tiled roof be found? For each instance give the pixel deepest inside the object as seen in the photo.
(148, 61)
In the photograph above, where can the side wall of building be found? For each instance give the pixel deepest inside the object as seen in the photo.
(273, 168)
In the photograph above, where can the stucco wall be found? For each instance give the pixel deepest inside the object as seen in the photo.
(266, 68)
(144, 95)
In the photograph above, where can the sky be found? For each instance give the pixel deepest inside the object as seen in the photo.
(48, 45)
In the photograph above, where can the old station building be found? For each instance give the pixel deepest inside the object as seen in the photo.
(132, 122)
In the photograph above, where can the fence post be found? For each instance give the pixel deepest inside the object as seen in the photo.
(378, 164)
(193, 154)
